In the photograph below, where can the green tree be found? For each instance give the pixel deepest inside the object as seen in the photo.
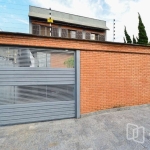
(134, 40)
(143, 39)
(69, 62)
(128, 39)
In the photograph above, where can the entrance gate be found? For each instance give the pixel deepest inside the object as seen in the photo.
(36, 85)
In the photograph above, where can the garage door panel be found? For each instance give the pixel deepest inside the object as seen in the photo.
(36, 82)
(35, 72)
(19, 78)
(38, 76)
(6, 112)
(34, 114)
(38, 106)
(36, 85)
(44, 118)
(27, 70)
(5, 80)
(35, 94)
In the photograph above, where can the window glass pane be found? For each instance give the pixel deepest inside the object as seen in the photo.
(6, 58)
(87, 36)
(62, 60)
(7, 94)
(24, 58)
(35, 29)
(42, 30)
(79, 34)
(54, 31)
(30, 57)
(92, 36)
(35, 94)
(96, 37)
(39, 59)
(47, 31)
(102, 37)
(72, 34)
(64, 33)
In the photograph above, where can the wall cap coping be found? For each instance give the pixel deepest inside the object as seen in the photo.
(59, 38)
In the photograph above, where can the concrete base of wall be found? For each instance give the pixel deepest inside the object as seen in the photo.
(114, 110)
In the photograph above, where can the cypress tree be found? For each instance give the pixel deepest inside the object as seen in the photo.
(134, 40)
(128, 39)
(143, 39)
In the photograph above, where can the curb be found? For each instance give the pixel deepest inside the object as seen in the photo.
(115, 110)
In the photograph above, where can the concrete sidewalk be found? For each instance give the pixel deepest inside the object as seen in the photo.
(98, 131)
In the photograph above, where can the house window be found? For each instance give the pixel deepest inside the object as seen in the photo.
(64, 33)
(47, 31)
(101, 37)
(87, 36)
(54, 32)
(72, 34)
(79, 34)
(92, 36)
(36, 29)
(96, 37)
(42, 30)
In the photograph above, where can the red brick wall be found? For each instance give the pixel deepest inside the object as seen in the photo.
(110, 80)
(74, 44)
(112, 74)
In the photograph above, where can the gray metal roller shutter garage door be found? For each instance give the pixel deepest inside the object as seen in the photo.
(36, 85)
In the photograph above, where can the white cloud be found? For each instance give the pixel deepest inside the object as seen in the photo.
(126, 14)
(79, 7)
(22, 20)
(19, 19)
(124, 11)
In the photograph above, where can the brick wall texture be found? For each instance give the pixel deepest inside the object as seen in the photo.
(112, 74)
(110, 80)
(58, 60)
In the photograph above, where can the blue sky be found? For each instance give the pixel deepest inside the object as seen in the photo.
(14, 13)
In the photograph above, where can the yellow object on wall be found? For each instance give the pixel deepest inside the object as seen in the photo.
(50, 20)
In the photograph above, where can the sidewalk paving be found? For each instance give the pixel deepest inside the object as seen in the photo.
(98, 131)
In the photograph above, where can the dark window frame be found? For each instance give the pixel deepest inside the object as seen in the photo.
(36, 31)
